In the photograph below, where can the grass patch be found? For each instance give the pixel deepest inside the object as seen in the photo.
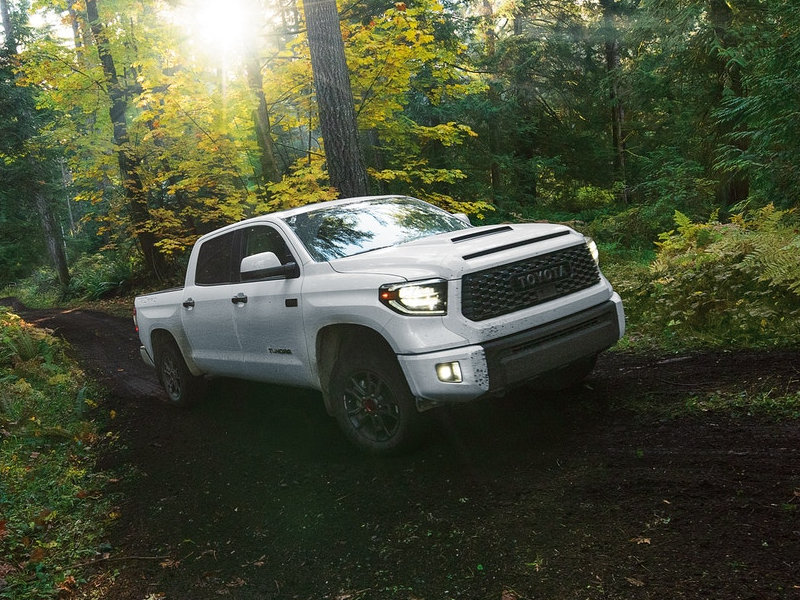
(53, 509)
(769, 404)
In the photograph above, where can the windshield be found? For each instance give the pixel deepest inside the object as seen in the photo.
(345, 230)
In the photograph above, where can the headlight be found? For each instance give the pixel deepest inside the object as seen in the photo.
(427, 297)
(590, 243)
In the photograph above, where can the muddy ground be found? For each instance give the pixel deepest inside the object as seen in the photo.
(255, 495)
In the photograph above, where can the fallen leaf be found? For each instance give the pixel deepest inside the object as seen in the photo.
(635, 582)
(37, 555)
(170, 563)
(68, 584)
(43, 517)
(640, 540)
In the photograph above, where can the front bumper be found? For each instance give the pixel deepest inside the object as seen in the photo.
(498, 365)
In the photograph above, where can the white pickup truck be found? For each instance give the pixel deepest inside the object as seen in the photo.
(387, 305)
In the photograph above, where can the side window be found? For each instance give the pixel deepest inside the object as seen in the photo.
(262, 238)
(215, 261)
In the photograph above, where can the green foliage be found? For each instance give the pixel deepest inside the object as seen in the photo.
(764, 138)
(39, 290)
(771, 404)
(96, 276)
(676, 183)
(52, 508)
(722, 284)
(630, 228)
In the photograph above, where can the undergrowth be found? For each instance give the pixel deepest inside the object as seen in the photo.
(714, 284)
(53, 510)
(93, 277)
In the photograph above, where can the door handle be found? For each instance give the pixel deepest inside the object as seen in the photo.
(239, 298)
(188, 303)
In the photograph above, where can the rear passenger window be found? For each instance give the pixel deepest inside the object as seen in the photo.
(215, 261)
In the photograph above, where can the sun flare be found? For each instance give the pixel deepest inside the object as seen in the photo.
(217, 29)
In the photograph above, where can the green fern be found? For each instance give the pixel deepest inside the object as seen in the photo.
(726, 283)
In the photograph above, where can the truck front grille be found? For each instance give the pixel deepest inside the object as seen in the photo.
(512, 287)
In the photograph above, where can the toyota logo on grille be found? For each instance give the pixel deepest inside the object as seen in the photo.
(541, 275)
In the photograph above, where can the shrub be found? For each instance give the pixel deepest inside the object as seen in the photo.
(52, 507)
(735, 283)
(634, 228)
(96, 276)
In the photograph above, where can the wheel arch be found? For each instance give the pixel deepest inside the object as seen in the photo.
(159, 337)
(335, 340)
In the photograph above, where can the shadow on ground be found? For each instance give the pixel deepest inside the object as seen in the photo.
(255, 494)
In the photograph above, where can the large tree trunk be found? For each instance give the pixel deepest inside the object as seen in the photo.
(269, 166)
(337, 115)
(128, 163)
(8, 31)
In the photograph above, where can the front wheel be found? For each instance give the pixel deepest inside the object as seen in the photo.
(373, 404)
(183, 388)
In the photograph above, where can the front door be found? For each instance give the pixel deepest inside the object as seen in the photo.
(270, 322)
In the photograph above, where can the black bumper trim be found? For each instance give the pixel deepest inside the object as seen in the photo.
(521, 357)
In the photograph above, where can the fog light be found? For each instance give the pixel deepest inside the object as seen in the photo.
(449, 372)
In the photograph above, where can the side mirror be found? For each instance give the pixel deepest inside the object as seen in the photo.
(265, 265)
(462, 217)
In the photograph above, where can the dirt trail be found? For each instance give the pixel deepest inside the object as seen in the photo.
(255, 495)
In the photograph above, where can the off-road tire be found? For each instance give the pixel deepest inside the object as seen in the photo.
(373, 404)
(182, 388)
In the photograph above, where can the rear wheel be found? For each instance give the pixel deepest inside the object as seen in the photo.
(373, 404)
(183, 388)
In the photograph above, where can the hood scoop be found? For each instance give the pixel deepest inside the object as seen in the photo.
(535, 240)
(481, 233)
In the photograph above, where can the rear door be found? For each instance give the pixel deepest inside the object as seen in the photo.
(208, 308)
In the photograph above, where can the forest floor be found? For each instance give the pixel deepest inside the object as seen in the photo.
(633, 486)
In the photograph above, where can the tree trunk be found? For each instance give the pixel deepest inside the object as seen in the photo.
(8, 30)
(53, 238)
(734, 186)
(617, 109)
(337, 115)
(128, 163)
(269, 166)
(612, 56)
(493, 95)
